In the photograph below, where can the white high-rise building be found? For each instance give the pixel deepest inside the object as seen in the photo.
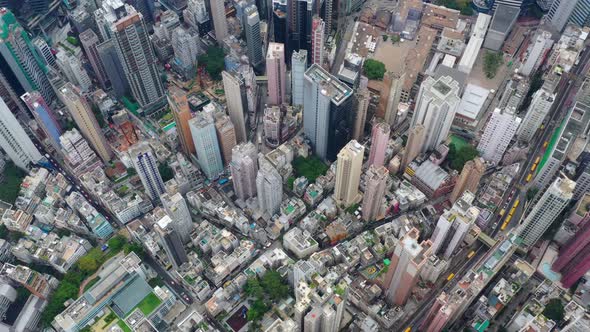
(72, 68)
(14, 140)
(348, 173)
(146, 166)
(547, 209)
(177, 209)
(219, 20)
(233, 85)
(244, 165)
(560, 12)
(536, 52)
(269, 185)
(498, 133)
(206, 144)
(535, 114)
(436, 105)
(185, 44)
(298, 68)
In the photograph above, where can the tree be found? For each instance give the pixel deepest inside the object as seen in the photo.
(117, 242)
(274, 286)
(290, 182)
(491, 63)
(458, 158)
(554, 310)
(213, 60)
(256, 310)
(374, 70)
(87, 264)
(385, 37)
(166, 172)
(531, 193)
(253, 288)
(13, 177)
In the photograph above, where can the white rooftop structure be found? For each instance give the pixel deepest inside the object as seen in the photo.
(473, 101)
(478, 33)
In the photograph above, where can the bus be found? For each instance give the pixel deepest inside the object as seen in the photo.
(471, 254)
(408, 329)
(506, 222)
(529, 177)
(450, 277)
(516, 203)
(512, 211)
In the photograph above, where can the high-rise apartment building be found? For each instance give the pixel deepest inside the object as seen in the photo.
(14, 140)
(146, 166)
(113, 68)
(197, 17)
(244, 166)
(185, 43)
(414, 145)
(44, 51)
(44, 117)
(582, 183)
(469, 179)
(379, 141)
(536, 52)
(269, 186)
(18, 51)
(348, 173)
(252, 28)
(498, 133)
(135, 51)
(235, 95)
(407, 260)
(78, 156)
(318, 28)
(547, 209)
(72, 69)
(206, 144)
(82, 114)
(226, 135)
(90, 41)
(436, 105)
(535, 114)
(298, 68)
(363, 99)
(276, 71)
(171, 242)
(375, 188)
(327, 105)
(217, 8)
(453, 225)
(177, 209)
(181, 112)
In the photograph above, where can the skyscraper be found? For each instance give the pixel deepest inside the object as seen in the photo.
(535, 114)
(177, 209)
(348, 173)
(317, 40)
(414, 145)
(269, 186)
(180, 111)
(327, 105)
(18, 51)
(171, 241)
(375, 187)
(363, 99)
(206, 144)
(252, 28)
(185, 44)
(90, 41)
(244, 166)
(407, 260)
(279, 20)
(72, 69)
(276, 72)
(547, 209)
(236, 102)
(44, 117)
(298, 68)
(14, 140)
(113, 68)
(219, 20)
(82, 114)
(497, 134)
(135, 51)
(574, 257)
(226, 135)
(581, 14)
(146, 166)
(469, 179)
(379, 141)
(560, 12)
(435, 109)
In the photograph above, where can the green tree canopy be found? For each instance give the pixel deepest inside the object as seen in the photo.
(458, 158)
(374, 70)
(491, 63)
(213, 60)
(554, 310)
(166, 172)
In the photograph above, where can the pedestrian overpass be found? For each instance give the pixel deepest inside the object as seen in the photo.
(486, 239)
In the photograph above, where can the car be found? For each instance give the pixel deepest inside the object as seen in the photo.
(172, 282)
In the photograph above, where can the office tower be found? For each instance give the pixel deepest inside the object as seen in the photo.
(135, 51)
(185, 44)
(206, 144)
(44, 117)
(146, 166)
(219, 20)
(497, 134)
(7, 297)
(226, 135)
(197, 17)
(535, 114)
(14, 140)
(78, 156)
(171, 241)
(298, 68)
(414, 145)
(375, 188)
(276, 71)
(348, 173)
(12, 100)
(19, 53)
(573, 260)
(560, 12)
(363, 99)
(453, 225)
(244, 166)
(269, 186)
(469, 179)
(182, 114)
(317, 40)
(71, 67)
(233, 85)
(379, 141)
(113, 68)
(177, 209)
(541, 45)
(299, 23)
(90, 41)
(251, 21)
(326, 109)
(44, 51)
(82, 114)
(547, 209)
(407, 260)
(435, 109)
(279, 21)
(582, 183)
(581, 14)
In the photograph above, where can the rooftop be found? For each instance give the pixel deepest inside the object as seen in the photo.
(333, 87)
